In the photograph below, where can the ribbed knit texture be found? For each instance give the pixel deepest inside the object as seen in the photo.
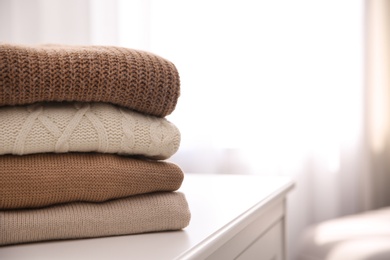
(46, 179)
(136, 214)
(130, 78)
(82, 133)
(85, 127)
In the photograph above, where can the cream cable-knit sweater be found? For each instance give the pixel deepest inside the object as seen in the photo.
(85, 127)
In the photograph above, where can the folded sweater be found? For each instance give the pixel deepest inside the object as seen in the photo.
(130, 78)
(45, 179)
(85, 127)
(136, 214)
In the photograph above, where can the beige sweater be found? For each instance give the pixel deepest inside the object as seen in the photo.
(85, 127)
(135, 79)
(137, 214)
(45, 179)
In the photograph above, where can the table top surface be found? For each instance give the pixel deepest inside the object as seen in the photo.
(215, 200)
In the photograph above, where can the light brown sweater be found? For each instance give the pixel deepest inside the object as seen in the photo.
(45, 179)
(137, 214)
(135, 79)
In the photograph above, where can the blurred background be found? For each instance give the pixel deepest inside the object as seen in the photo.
(297, 88)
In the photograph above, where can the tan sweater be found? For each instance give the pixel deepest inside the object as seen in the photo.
(85, 127)
(130, 78)
(45, 179)
(136, 214)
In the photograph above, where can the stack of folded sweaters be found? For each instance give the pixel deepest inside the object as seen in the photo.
(84, 142)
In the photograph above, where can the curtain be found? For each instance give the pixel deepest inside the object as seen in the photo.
(43, 21)
(272, 88)
(377, 99)
(268, 87)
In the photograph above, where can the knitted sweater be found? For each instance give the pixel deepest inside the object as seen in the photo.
(45, 179)
(130, 78)
(85, 127)
(136, 214)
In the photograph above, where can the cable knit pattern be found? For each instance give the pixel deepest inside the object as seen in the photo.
(134, 79)
(45, 179)
(136, 214)
(85, 127)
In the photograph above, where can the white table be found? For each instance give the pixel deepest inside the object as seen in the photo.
(233, 217)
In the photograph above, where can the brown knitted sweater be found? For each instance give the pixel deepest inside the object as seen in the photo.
(45, 179)
(130, 78)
